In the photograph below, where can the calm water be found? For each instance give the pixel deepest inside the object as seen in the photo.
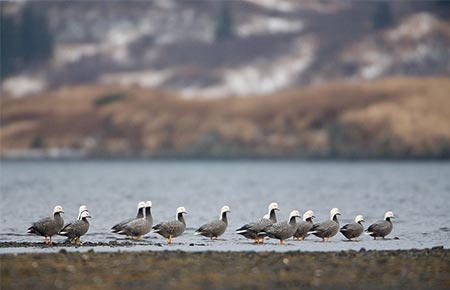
(417, 192)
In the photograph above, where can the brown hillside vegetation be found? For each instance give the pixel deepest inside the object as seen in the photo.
(392, 118)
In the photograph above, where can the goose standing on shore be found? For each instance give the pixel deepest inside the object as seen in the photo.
(172, 229)
(251, 230)
(327, 229)
(354, 230)
(48, 226)
(74, 230)
(140, 226)
(282, 230)
(140, 214)
(381, 228)
(304, 226)
(215, 228)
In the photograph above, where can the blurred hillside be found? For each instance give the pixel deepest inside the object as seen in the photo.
(218, 48)
(249, 78)
(394, 118)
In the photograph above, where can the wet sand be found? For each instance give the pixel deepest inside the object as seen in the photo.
(403, 269)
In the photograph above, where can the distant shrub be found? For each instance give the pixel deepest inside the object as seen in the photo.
(37, 142)
(108, 99)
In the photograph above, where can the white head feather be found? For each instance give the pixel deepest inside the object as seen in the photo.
(294, 213)
(272, 206)
(141, 205)
(148, 204)
(58, 208)
(308, 214)
(388, 214)
(334, 212)
(181, 210)
(85, 214)
(81, 209)
(359, 218)
(224, 208)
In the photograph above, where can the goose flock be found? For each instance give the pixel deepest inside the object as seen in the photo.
(259, 230)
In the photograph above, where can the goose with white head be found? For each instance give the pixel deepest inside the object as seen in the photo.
(172, 229)
(74, 230)
(140, 226)
(48, 226)
(251, 230)
(282, 230)
(140, 214)
(382, 228)
(215, 228)
(327, 229)
(304, 226)
(354, 230)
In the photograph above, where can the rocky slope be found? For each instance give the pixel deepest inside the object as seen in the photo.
(248, 47)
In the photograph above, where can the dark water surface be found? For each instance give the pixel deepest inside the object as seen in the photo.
(417, 192)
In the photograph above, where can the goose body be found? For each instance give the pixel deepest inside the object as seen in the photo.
(140, 214)
(74, 230)
(215, 228)
(329, 228)
(48, 226)
(251, 230)
(282, 230)
(354, 230)
(172, 229)
(304, 226)
(381, 228)
(140, 226)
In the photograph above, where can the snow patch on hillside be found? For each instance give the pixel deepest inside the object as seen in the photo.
(268, 25)
(261, 77)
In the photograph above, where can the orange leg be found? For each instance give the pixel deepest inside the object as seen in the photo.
(170, 239)
(281, 242)
(302, 238)
(138, 238)
(46, 241)
(51, 240)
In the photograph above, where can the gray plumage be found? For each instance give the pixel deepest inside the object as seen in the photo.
(251, 230)
(382, 228)
(329, 228)
(353, 230)
(282, 230)
(172, 229)
(48, 226)
(215, 228)
(76, 229)
(140, 226)
(119, 227)
(303, 228)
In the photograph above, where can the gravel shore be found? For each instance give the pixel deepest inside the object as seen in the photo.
(405, 269)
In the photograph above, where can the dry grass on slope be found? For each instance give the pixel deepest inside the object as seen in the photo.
(404, 117)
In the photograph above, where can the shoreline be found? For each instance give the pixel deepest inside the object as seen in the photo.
(405, 269)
